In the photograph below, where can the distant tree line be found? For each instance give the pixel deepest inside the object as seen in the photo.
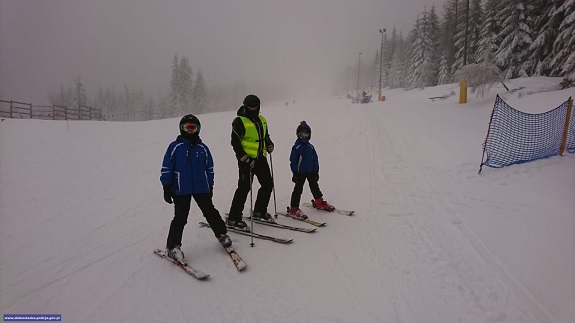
(504, 38)
(188, 94)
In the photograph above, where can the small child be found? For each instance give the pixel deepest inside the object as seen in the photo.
(188, 171)
(304, 165)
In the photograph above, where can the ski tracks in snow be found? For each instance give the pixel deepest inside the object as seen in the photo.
(461, 280)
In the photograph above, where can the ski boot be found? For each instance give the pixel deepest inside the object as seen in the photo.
(225, 240)
(263, 217)
(237, 224)
(322, 204)
(177, 255)
(296, 213)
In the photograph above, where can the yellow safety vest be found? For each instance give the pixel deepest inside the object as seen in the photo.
(251, 140)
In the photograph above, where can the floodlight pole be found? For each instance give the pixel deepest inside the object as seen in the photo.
(382, 30)
(358, 64)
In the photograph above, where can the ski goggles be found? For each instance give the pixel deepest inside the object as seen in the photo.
(304, 134)
(190, 128)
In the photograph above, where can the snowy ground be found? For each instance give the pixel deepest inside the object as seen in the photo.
(81, 210)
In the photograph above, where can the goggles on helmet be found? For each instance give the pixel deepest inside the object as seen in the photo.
(303, 134)
(190, 128)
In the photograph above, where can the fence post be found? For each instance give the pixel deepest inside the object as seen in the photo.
(565, 130)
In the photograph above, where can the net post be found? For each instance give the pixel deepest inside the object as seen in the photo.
(488, 131)
(565, 130)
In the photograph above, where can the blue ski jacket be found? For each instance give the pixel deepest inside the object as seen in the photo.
(188, 168)
(303, 158)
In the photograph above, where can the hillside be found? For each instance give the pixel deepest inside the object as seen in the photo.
(81, 210)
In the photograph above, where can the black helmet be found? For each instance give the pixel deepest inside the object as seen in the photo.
(251, 106)
(190, 118)
(303, 128)
(252, 101)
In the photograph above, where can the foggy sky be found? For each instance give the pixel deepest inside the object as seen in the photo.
(295, 44)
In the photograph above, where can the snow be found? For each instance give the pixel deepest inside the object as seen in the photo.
(81, 211)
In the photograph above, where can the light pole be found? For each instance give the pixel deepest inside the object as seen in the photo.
(466, 30)
(382, 30)
(358, 64)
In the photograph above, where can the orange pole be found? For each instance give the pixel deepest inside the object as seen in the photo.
(567, 118)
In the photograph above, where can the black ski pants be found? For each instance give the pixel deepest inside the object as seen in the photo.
(298, 188)
(182, 210)
(262, 171)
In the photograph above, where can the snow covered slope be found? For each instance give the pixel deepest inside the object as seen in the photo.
(81, 211)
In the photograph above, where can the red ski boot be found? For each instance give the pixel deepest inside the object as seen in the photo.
(296, 213)
(321, 204)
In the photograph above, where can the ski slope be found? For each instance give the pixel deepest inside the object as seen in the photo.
(81, 211)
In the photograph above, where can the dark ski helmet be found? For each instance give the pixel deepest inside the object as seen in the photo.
(190, 119)
(301, 130)
(252, 105)
(252, 101)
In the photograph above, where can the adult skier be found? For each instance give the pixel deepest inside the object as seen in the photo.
(251, 142)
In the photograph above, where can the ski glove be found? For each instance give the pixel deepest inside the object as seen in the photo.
(248, 161)
(294, 178)
(168, 194)
(270, 148)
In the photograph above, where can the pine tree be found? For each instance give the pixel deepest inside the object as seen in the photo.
(395, 78)
(200, 98)
(80, 98)
(416, 51)
(476, 17)
(489, 39)
(186, 87)
(459, 34)
(447, 47)
(545, 32)
(174, 87)
(563, 62)
(513, 54)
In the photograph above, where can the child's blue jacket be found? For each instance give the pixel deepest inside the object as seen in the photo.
(303, 158)
(187, 168)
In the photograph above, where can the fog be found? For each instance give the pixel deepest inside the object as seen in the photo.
(291, 46)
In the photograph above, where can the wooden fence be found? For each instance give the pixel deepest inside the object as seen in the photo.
(21, 110)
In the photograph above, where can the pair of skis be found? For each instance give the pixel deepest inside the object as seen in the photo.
(196, 273)
(336, 210)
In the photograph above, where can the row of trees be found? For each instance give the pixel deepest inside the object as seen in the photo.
(509, 38)
(188, 94)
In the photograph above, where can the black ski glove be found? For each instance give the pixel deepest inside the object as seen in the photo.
(270, 148)
(294, 178)
(248, 161)
(168, 194)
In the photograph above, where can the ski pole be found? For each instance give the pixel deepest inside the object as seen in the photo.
(251, 208)
(273, 186)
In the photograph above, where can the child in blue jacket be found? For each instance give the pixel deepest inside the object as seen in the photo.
(304, 165)
(188, 171)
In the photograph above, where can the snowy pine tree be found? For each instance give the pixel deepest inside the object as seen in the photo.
(563, 62)
(513, 53)
(546, 29)
(447, 47)
(489, 40)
